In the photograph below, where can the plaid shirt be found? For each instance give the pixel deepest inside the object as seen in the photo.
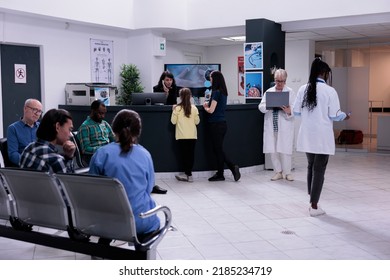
(93, 135)
(42, 155)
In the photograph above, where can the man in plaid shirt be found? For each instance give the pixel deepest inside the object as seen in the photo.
(94, 132)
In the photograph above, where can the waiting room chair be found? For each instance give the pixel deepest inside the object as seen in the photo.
(4, 202)
(78, 158)
(37, 198)
(101, 208)
(4, 153)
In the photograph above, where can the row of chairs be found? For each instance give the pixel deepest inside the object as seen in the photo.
(91, 205)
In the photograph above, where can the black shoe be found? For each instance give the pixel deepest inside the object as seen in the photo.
(236, 173)
(217, 177)
(159, 190)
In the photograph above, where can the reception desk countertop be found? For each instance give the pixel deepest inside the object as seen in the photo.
(243, 142)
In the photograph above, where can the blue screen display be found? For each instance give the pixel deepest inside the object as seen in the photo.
(193, 76)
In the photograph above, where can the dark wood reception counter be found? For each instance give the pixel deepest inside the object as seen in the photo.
(243, 141)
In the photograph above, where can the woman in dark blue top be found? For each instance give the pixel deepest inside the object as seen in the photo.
(217, 125)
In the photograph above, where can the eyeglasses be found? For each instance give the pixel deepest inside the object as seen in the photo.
(35, 110)
(280, 81)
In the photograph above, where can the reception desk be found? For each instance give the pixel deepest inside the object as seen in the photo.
(243, 141)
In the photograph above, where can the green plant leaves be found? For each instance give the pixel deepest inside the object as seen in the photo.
(130, 82)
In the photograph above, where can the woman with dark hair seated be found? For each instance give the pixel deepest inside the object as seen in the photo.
(55, 129)
(167, 84)
(132, 165)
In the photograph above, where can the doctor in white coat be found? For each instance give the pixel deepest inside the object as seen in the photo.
(318, 106)
(278, 134)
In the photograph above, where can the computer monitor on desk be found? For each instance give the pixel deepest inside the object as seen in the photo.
(149, 98)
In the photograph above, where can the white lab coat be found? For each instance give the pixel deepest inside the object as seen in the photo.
(285, 137)
(316, 131)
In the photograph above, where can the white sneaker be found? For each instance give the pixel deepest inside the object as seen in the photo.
(277, 176)
(190, 179)
(316, 212)
(183, 178)
(289, 177)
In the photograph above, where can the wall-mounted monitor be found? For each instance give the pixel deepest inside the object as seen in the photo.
(193, 76)
(148, 98)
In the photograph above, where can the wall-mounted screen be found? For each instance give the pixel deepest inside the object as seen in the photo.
(193, 76)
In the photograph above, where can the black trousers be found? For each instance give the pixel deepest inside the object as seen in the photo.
(217, 132)
(187, 154)
(315, 175)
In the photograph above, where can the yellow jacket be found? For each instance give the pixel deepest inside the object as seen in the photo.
(185, 127)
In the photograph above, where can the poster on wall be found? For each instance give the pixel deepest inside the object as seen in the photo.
(253, 53)
(241, 76)
(102, 61)
(254, 84)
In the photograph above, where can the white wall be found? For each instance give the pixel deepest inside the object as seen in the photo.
(298, 58)
(65, 53)
(379, 77)
(118, 13)
(227, 56)
(351, 84)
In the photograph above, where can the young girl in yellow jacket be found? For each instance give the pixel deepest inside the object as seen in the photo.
(185, 117)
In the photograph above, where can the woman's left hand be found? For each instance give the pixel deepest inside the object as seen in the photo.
(287, 109)
(69, 148)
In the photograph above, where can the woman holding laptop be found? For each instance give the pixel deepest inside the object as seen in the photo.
(278, 134)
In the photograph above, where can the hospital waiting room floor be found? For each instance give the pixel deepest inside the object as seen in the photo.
(256, 218)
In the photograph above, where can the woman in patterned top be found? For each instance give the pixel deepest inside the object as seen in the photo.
(55, 129)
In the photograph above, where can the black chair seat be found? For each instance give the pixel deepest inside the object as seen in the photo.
(4, 153)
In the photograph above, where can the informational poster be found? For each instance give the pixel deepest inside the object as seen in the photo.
(20, 73)
(241, 76)
(102, 61)
(253, 53)
(254, 84)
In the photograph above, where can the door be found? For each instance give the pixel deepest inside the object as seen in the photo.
(15, 94)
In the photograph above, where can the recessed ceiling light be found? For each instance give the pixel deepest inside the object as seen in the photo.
(235, 38)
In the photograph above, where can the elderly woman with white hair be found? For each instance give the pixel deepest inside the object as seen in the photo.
(279, 129)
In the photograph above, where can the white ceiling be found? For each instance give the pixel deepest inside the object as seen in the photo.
(362, 34)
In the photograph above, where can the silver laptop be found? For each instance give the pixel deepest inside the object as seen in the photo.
(277, 99)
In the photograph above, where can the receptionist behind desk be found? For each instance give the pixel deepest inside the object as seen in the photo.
(167, 84)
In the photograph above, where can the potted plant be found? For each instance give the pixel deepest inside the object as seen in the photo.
(130, 82)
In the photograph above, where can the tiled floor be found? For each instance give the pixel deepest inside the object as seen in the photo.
(256, 218)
